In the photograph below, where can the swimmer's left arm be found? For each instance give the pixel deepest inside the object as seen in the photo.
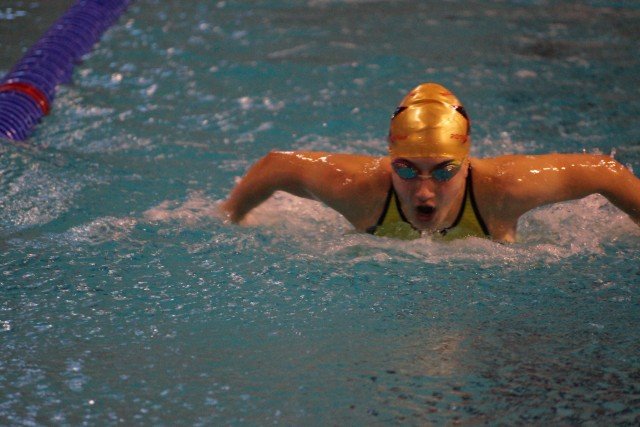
(350, 184)
(533, 181)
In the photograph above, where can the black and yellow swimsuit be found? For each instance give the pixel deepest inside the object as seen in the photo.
(469, 223)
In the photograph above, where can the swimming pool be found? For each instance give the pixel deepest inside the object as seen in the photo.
(125, 299)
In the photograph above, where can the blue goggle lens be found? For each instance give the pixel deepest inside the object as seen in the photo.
(442, 174)
(405, 171)
(445, 174)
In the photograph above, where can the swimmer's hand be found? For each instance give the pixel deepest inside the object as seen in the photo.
(229, 213)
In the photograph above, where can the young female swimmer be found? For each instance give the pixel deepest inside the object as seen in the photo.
(429, 183)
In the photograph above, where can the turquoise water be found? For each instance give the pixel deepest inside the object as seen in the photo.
(126, 299)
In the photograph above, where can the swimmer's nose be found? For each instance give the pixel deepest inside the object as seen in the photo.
(425, 190)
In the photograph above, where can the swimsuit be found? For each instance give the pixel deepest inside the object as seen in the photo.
(393, 223)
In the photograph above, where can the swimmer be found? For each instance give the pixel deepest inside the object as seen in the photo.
(429, 184)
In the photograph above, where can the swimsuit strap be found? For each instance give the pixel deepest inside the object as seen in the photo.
(464, 212)
(392, 222)
(390, 194)
(474, 205)
(462, 207)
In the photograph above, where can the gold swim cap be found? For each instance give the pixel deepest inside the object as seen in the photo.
(430, 122)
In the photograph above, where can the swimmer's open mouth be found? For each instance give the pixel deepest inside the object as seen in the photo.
(425, 214)
(425, 210)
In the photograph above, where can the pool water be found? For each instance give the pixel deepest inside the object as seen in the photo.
(126, 298)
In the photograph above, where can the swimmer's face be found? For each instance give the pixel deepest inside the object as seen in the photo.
(430, 189)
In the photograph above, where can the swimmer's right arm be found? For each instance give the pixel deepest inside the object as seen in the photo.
(350, 184)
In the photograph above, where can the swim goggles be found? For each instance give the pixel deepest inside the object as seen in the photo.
(407, 171)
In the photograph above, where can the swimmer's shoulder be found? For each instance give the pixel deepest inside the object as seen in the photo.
(506, 186)
(353, 184)
(496, 189)
(509, 171)
(503, 172)
(506, 179)
(361, 176)
(345, 162)
(367, 188)
(493, 174)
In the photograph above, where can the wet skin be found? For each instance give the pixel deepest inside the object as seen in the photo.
(504, 187)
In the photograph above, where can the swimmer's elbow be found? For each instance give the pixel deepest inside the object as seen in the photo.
(266, 176)
(622, 188)
(615, 177)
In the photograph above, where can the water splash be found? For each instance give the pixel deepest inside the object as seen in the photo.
(547, 234)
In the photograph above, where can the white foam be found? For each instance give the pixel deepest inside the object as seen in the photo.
(490, 147)
(547, 234)
(38, 195)
(101, 230)
(194, 211)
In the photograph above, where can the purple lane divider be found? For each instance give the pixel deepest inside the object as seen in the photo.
(28, 90)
